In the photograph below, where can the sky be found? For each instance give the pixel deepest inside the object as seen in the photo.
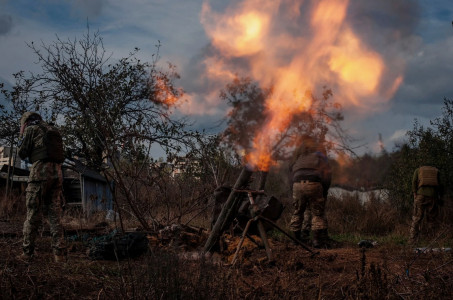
(387, 62)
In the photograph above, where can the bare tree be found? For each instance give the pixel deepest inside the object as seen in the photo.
(248, 116)
(112, 113)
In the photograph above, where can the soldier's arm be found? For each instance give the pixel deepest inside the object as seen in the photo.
(326, 170)
(441, 186)
(26, 144)
(415, 182)
(328, 173)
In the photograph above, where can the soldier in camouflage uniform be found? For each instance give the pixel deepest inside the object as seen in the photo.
(44, 188)
(427, 190)
(307, 219)
(310, 174)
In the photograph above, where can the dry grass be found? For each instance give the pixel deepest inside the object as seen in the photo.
(12, 204)
(349, 215)
(389, 271)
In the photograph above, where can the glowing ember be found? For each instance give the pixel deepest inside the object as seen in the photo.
(164, 94)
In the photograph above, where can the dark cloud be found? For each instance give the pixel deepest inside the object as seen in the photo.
(89, 8)
(7, 86)
(400, 31)
(194, 73)
(5, 83)
(436, 19)
(210, 124)
(6, 23)
(222, 5)
(385, 21)
(389, 28)
(427, 82)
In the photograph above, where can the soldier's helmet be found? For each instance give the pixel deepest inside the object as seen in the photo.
(29, 115)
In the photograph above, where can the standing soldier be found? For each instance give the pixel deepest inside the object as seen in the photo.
(325, 181)
(426, 189)
(310, 174)
(42, 146)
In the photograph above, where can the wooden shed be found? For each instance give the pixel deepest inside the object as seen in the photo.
(83, 188)
(86, 188)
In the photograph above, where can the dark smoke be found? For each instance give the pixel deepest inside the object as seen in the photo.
(6, 23)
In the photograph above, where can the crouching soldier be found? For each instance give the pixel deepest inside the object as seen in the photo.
(42, 146)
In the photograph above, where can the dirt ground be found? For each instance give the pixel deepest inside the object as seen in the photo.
(175, 271)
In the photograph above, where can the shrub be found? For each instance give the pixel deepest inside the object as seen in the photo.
(349, 215)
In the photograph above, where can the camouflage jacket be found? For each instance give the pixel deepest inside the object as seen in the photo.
(312, 166)
(40, 170)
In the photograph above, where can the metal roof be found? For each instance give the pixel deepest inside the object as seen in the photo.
(83, 170)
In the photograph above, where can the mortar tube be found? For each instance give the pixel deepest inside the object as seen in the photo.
(226, 212)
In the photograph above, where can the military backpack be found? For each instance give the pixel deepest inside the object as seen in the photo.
(427, 176)
(52, 149)
(309, 161)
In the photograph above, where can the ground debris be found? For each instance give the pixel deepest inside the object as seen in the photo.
(175, 268)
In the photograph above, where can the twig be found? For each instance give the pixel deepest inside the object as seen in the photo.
(441, 265)
(244, 233)
(199, 213)
(100, 291)
(285, 233)
(428, 247)
(320, 289)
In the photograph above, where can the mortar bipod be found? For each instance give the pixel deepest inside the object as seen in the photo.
(255, 218)
(258, 218)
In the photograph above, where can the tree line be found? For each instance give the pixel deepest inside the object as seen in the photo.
(112, 113)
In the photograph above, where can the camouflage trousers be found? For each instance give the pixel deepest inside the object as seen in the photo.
(43, 200)
(423, 206)
(306, 224)
(308, 197)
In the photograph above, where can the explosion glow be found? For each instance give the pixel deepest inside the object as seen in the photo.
(164, 94)
(295, 46)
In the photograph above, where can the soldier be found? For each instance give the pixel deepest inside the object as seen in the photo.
(307, 219)
(311, 173)
(427, 190)
(42, 146)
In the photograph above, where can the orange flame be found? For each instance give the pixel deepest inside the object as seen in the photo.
(326, 52)
(164, 94)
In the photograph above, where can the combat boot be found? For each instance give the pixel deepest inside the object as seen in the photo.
(321, 239)
(317, 239)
